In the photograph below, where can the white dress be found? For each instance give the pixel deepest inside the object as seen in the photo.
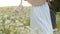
(40, 20)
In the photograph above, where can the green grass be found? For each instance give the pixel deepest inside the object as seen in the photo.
(58, 20)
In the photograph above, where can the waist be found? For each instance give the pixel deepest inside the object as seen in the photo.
(46, 3)
(36, 2)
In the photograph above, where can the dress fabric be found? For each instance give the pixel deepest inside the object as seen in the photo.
(40, 20)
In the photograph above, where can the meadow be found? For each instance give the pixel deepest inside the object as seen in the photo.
(12, 23)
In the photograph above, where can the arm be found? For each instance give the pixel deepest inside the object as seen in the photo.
(48, 2)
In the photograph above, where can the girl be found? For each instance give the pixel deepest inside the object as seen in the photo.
(40, 17)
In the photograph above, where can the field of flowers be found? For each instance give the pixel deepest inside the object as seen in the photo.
(12, 23)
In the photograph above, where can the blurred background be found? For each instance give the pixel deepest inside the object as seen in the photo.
(12, 23)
